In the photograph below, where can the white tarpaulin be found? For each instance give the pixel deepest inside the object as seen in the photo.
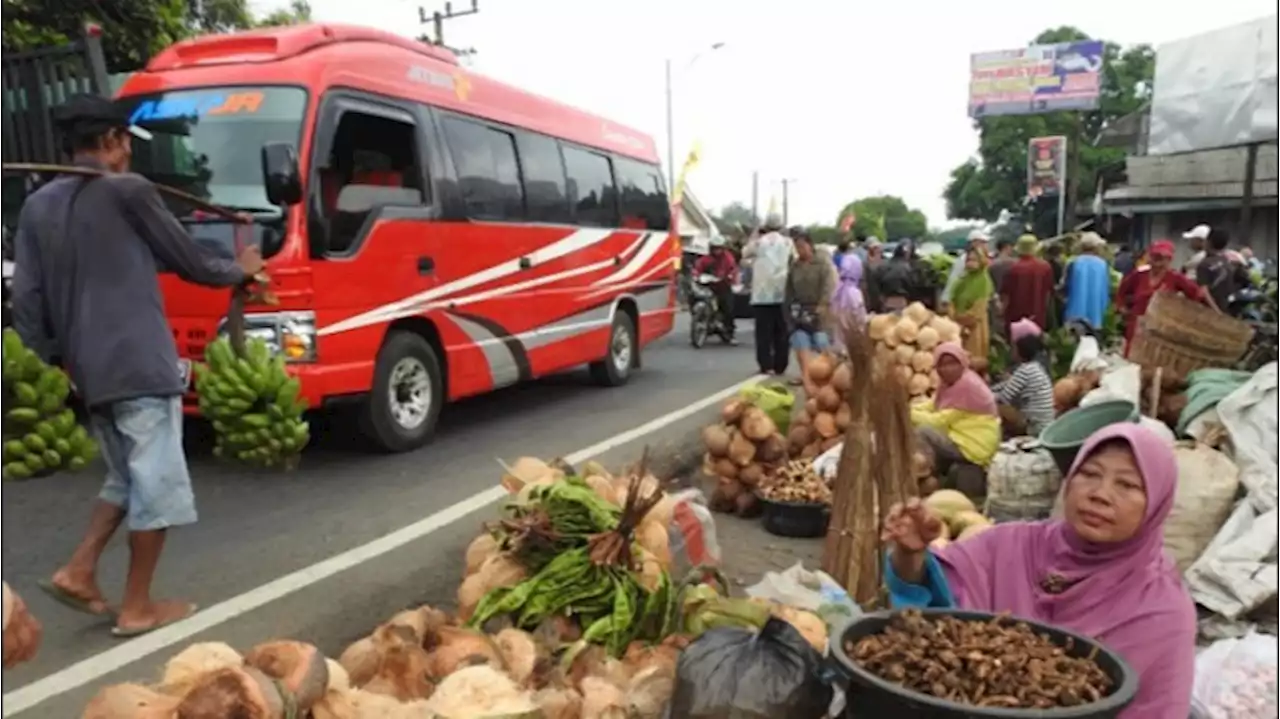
(1215, 90)
(1237, 571)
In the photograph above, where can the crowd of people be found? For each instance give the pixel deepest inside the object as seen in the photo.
(803, 301)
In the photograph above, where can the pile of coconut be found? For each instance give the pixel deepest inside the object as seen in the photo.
(275, 680)
(960, 517)
(826, 415)
(905, 344)
(742, 449)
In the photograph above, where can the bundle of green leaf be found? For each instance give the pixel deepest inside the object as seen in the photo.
(41, 435)
(584, 564)
(253, 404)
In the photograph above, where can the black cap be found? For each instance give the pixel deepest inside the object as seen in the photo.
(85, 109)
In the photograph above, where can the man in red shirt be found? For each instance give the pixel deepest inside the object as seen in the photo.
(720, 263)
(1027, 285)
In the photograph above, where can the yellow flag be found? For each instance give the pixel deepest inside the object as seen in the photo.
(690, 162)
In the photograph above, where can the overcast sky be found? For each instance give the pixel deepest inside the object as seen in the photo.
(848, 98)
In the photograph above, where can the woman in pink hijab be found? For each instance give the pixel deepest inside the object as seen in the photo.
(961, 426)
(1100, 571)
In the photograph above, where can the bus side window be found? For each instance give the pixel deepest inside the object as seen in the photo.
(372, 164)
(644, 203)
(593, 194)
(488, 173)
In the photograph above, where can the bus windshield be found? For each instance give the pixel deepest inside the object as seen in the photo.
(207, 141)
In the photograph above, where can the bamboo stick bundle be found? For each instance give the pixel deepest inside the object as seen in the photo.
(895, 443)
(851, 553)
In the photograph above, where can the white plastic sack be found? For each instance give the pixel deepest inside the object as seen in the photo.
(1207, 485)
(1123, 381)
(1236, 679)
(1237, 571)
(811, 590)
(1088, 356)
(826, 464)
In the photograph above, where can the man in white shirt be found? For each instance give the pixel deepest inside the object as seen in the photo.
(1196, 238)
(770, 256)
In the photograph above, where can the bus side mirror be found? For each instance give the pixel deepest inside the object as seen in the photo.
(280, 174)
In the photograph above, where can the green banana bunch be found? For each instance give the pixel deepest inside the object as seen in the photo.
(254, 405)
(41, 435)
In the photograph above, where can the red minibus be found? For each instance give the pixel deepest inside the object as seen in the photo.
(431, 234)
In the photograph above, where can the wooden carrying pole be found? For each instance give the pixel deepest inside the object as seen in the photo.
(240, 295)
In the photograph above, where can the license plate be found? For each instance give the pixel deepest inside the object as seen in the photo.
(184, 373)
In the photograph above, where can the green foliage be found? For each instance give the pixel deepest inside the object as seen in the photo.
(735, 217)
(132, 30)
(995, 180)
(886, 217)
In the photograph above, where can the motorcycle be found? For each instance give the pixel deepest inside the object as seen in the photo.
(704, 312)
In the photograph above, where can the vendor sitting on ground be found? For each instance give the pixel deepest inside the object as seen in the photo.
(1101, 571)
(1025, 398)
(961, 426)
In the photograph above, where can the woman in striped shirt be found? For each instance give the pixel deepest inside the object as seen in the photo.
(1025, 399)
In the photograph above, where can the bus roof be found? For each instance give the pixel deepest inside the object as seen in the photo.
(321, 56)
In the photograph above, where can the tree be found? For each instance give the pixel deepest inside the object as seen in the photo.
(886, 217)
(997, 178)
(133, 30)
(736, 215)
(232, 15)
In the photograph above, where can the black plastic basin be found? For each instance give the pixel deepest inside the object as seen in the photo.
(869, 696)
(795, 519)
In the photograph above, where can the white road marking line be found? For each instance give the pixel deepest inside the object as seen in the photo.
(99, 665)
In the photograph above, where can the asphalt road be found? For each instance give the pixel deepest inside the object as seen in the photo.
(284, 531)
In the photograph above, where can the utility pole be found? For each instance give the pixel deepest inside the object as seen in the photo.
(755, 197)
(671, 142)
(437, 19)
(786, 206)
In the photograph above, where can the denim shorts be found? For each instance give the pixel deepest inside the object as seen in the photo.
(141, 442)
(810, 341)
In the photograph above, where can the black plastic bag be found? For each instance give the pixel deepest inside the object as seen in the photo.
(738, 674)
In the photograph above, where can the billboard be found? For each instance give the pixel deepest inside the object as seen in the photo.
(1046, 166)
(1035, 79)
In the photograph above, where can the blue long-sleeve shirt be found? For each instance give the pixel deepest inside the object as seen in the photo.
(86, 290)
(932, 593)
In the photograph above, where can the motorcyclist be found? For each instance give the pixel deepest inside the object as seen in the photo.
(720, 264)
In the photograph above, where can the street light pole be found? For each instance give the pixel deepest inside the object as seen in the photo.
(786, 200)
(671, 140)
(671, 143)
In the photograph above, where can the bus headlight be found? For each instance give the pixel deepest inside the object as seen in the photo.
(291, 334)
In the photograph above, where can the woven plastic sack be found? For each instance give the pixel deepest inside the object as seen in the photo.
(1236, 679)
(775, 399)
(1207, 484)
(1022, 481)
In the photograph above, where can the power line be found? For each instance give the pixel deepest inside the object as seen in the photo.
(437, 18)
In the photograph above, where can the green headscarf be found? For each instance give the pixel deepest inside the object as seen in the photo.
(1027, 245)
(973, 286)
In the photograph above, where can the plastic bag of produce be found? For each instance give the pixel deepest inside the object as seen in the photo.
(738, 674)
(1022, 481)
(692, 533)
(1236, 679)
(775, 399)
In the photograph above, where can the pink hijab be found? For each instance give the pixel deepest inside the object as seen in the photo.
(969, 393)
(1128, 595)
(846, 301)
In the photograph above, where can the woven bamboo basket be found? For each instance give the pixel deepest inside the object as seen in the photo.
(1202, 330)
(1151, 348)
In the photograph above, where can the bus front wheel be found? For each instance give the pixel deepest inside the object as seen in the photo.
(404, 404)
